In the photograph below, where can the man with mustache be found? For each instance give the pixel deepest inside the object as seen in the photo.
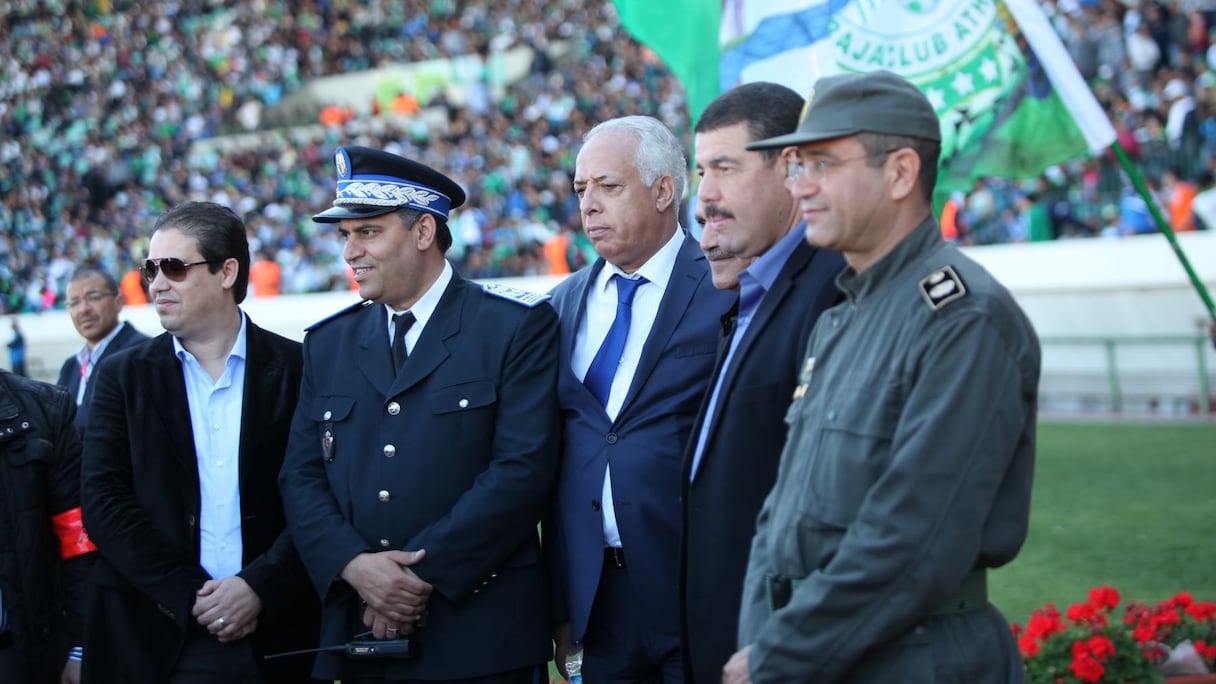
(753, 238)
(93, 302)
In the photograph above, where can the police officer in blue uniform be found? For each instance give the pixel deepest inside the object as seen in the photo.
(424, 447)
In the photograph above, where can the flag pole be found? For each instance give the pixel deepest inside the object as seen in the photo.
(1164, 226)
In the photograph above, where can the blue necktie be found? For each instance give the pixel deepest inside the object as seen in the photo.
(603, 366)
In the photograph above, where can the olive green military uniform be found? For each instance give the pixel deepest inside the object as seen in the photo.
(907, 471)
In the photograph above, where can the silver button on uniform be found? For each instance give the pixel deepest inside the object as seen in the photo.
(384, 495)
(464, 403)
(384, 543)
(390, 450)
(328, 415)
(394, 408)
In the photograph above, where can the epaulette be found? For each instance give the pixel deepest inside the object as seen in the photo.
(525, 297)
(357, 306)
(941, 287)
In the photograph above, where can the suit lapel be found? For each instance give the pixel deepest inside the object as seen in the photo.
(794, 265)
(680, 289)
(781, 288)
(166, 386)
(375, 359)
(570, 333)
(262, 397)
(432, 349)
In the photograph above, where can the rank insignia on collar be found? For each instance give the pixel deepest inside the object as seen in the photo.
(941, 287)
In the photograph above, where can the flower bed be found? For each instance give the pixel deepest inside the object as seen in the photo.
(1095, 643)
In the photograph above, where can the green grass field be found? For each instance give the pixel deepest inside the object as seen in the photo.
(1129, 505)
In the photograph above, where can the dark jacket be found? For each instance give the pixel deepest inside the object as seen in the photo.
(69, 373)
(40, 479)
(141, 498)
(454, 454)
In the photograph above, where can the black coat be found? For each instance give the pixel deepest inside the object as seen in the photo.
(39, 479)
(140, 487)
(743, 448)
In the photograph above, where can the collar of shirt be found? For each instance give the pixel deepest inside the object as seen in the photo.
(764, 271)
(98, 349)
(422, 309)
(657, 268)
(923, 239)
(237, 351)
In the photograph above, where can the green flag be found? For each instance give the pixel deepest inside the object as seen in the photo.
(683, 33)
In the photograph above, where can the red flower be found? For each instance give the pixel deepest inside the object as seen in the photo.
(1029, 646)
(1182, 599)
(1100, 647)
(1044, 622)
(1201, 611)
(1104, 596)
(1144, 633)
(1081, 612)
(1087, 669)
(1205, 650)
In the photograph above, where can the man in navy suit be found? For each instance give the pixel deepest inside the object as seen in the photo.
(425, 445)
(93, 301)
(753, 239)
(639, 330)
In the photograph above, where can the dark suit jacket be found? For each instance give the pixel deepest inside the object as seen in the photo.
(645, 444)
(69, 374)
(456, 454)
(140, 494)
(739, 463)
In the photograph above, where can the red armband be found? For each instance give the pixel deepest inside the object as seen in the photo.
(73, 539)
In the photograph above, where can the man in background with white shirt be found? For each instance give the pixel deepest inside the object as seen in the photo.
(93, 302)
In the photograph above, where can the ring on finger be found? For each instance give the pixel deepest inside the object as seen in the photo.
(221, 621)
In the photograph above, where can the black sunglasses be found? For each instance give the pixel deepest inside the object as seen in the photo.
(173, 268)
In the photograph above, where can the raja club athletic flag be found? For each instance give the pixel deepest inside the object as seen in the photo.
(1010, 100)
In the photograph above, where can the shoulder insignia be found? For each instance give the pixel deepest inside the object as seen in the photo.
(941, 287)
(357, 306)
(525, 297)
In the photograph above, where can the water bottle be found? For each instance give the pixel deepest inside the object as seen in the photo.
(574, 664)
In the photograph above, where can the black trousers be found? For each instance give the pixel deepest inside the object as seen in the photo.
(527, 675)
(205, 660)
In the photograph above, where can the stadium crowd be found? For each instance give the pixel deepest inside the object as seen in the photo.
(101, 103)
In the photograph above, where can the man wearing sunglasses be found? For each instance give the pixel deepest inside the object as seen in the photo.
(93, 302)
(907, 468)
(424, 448)
(197, 577)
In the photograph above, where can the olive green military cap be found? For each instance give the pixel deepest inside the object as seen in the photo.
(872, 102)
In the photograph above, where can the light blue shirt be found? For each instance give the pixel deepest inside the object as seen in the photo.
(215, 419)
(754, 282)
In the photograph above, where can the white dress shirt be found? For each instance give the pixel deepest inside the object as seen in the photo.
(593, 328)
(215, 418)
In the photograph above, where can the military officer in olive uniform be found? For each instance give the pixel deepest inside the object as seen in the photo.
(424, 447)
(907, 470)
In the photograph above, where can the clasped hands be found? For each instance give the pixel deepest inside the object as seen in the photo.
(228, 608)
(395, 597)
